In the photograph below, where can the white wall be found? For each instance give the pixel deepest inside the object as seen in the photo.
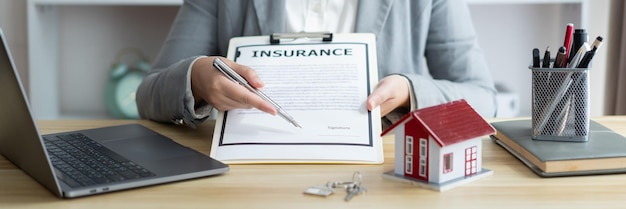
(598, 24)
(90, 38)
(13, 24)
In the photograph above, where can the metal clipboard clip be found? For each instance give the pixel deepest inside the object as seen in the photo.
(275, 38)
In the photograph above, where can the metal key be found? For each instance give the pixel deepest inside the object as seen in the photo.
(322, 191)
(355, 190)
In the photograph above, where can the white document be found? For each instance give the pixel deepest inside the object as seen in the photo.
(323, 85)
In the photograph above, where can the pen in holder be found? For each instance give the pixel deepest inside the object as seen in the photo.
(560, 104)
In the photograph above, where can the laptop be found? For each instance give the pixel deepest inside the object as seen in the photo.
(93, 161)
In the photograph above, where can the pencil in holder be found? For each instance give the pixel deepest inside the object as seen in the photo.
(560, 104)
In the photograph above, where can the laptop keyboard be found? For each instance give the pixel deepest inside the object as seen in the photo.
(85, 162)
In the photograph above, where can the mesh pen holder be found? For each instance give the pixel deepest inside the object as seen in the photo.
(560, 104)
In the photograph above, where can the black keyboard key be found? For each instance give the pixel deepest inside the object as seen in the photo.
(116, 177)
(129, 174)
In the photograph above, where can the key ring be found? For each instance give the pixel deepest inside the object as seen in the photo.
(357, 178)
(340, 184)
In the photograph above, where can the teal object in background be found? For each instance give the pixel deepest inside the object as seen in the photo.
(124, 79)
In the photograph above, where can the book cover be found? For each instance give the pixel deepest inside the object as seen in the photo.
(604, 153)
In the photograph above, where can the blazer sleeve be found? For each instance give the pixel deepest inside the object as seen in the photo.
(456, 64)
(161, 95)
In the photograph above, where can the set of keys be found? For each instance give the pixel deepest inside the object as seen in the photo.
(352, 188)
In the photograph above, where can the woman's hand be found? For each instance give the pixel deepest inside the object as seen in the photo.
(390, 93)
(211, 86)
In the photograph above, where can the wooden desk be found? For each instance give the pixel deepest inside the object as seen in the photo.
(512, 185)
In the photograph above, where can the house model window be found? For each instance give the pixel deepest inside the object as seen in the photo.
(408, 155)
(423, 158)
(447, 163)
(409, 145)
(408, 164)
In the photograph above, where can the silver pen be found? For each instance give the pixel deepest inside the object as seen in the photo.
(232, 75)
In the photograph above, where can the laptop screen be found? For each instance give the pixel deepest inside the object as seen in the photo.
(20, 140)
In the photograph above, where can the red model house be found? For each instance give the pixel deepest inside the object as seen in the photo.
(440, 146)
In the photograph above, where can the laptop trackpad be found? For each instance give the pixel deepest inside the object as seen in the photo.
(147, 148)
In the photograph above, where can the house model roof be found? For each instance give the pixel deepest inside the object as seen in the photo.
(448, 123)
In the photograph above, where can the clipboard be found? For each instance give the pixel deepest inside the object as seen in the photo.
(322, 80)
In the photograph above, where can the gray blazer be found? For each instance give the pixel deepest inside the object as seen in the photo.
(431, 42)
